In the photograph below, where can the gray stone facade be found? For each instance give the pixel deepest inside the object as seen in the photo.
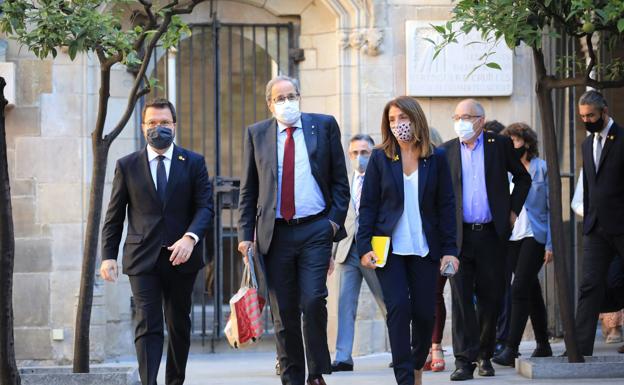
(357, 48)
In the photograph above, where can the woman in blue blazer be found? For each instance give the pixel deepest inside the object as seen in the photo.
(529, 248)
(408, 196)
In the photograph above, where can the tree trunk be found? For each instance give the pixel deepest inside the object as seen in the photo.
(544, 96)
(9, 374)
(85, 300)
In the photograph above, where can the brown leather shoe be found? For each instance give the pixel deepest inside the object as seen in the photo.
(621, 349)
(316, 381)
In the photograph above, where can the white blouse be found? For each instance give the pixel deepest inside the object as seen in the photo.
(408, 237)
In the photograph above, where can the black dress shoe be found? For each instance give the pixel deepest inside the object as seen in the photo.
(542, 350)
(506, 358)
(463, 373)
(341, 367)
(485, 368)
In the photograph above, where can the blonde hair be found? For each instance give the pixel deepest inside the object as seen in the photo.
(410, 107)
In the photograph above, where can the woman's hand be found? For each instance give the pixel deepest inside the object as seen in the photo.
(548, 257)
(449, 259)
(368, 260)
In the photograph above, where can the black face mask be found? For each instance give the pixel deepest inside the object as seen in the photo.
(520, 151)
(159, 137)
(596, 126)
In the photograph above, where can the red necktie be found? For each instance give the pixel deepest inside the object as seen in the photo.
(287, 206)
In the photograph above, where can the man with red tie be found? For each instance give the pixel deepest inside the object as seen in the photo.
(294, 198)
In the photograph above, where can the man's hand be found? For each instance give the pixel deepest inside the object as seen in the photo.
(368, 260)
(108, 270)
(332, 265)
(181, 250)
(512, 219)
(243, 248)
(449, 259)
(548, 256)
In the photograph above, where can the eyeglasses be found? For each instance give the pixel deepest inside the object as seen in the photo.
(464, 117)
(282, 99)
(155, 123)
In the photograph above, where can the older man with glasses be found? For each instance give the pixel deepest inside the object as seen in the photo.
(485, 212)
(294, 198)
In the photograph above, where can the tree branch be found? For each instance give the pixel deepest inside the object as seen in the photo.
(135, 93)
(188, 9)
(102, 103)
(147, 6)
(592, 56)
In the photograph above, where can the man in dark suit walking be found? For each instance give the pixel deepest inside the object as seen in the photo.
(603, 228)
(485, 212)
(168, 198)
(294, 198)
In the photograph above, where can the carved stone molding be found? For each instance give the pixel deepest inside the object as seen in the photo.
(368, 41)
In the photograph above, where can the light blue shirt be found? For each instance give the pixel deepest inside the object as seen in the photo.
(476, 208)
(308, 196)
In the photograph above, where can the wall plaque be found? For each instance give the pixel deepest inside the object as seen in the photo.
(447, 74)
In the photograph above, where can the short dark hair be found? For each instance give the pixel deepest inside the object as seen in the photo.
(494, 126)
(593, 98)
(160, 103)
(365, 137)
(526, 133)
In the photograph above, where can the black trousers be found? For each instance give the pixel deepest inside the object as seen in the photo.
(296, 270)
(599, 249)
(482, 274)
(164, 288)
(503, 322)
(527, 256)
(408, 283)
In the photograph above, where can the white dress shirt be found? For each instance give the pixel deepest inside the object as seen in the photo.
(152, 156)
(603, 135)
(522, 227)
(408, 237)
(308, 196)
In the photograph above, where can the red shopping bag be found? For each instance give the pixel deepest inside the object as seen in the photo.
(245, 326)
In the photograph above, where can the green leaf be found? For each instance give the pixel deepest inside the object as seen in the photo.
(493, 65)
(439, 28)
(73, 49)
(620, 25)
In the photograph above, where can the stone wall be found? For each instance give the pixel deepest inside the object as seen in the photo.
(48, 132)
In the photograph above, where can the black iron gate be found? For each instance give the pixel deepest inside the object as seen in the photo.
(216, 78)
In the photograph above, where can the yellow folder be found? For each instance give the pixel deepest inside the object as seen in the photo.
(381, 247)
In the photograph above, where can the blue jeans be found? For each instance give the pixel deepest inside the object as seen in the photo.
(351, 274)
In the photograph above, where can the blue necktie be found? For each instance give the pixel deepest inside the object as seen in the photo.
(161, 178)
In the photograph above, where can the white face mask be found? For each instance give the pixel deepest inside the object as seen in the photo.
(287, 112)
(464, 130)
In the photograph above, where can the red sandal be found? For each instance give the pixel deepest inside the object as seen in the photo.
(437, 364)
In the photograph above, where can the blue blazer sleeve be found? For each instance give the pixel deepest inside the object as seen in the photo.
(369, 204)
(446, 207)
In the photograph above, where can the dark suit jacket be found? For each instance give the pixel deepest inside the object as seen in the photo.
(258, 192)
(187, 208)
(499, 159)
(603, 191)
(381, 204)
